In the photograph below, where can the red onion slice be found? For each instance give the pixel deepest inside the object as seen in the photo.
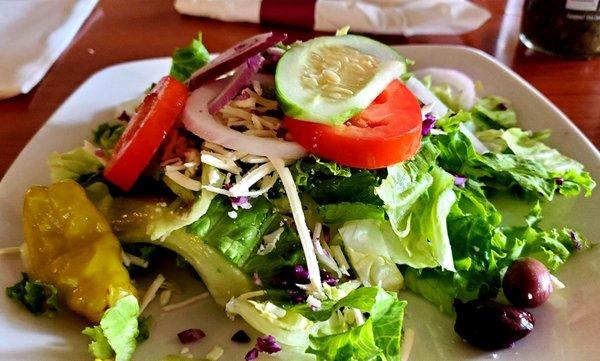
(233, 57)
(198, 120)
(241, 78)
(457, 80)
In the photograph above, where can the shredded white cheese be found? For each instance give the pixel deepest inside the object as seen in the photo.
(125, 259)
(557, 283)
(254, 159)
(10, 250)
(151, 293)
(251, 178)
(165, 297)
(218, 161)
(270, 242)
(189, 301)
(339, 257)
(184, 181)
(130, 259)
(313, 302)
(217, 148)
(215, 353)
(184, 350)
(323, 255)
(232, 214)
(358, 316)
(252, 294)
(409, 339)
(305, 239)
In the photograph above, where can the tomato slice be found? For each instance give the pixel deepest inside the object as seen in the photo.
(387, 132)
(146, 130)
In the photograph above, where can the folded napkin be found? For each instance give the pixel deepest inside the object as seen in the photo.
(33, 34)
(408, 17)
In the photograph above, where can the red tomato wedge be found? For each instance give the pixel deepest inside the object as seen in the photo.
(387, 132)
(146, 130)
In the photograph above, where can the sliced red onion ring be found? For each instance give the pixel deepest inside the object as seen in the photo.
(457, 80)
(233, 57)
(198, 120)
(241, 78)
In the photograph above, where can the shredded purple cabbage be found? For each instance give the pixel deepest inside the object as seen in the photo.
(559, 181)
(124, 116)
(326, 234)
(297, 296)
(460, 181)
(301, 273)
(267, 344)
(428, 124)
(575, 239)
(241, 337)
(240, 201)
(502, 106)
(329, 279)
(191, 335)
(251, 355)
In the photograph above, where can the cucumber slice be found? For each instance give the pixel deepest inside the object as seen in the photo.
(329, 79)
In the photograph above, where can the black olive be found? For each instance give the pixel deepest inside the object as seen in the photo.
(527, 283)
(490, 325)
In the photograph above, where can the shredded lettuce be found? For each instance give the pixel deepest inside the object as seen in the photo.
(372, 269)
(75, 164)
(346, 211)
(527, 168)
(189, 59)
(327, 333)
(107, 135)
(417, 197)
(494, 112)
(482, 250)
(117, 333)
(183, 211)
(39, 298)
(327, 182)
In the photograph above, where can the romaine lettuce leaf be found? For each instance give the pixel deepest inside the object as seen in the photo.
(189, 59)
(378, 338)
(372, 269)
(116, 335)
(36, 296)
(482, 250)
(328, 183)
(417, 197)
(519, 160)
(494, 112)
(183, 213)
(345, 211)
(522, 144)
(327, 335)
(107, 135)
(74, 164)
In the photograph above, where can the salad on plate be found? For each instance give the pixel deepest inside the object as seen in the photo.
(304, 185)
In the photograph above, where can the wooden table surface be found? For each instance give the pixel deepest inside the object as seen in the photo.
(119, 31)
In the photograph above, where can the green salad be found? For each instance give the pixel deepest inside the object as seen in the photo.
(304, 185)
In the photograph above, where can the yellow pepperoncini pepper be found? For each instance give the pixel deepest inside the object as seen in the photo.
(69, 244)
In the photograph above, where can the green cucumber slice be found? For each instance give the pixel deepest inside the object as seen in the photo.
(329, 79)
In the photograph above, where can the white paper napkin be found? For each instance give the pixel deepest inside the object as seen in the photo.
(33, 34)
(408, 17)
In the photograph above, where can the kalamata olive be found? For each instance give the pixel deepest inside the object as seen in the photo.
(527, 283)
(490, 325)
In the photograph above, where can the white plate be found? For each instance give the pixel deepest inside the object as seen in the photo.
(567, 326)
